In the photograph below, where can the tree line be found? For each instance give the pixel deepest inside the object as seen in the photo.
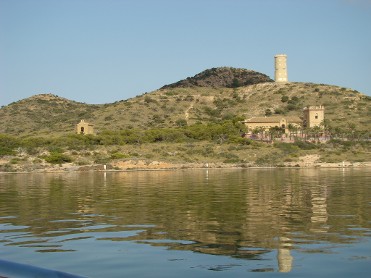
(225, 131)
(228, 131)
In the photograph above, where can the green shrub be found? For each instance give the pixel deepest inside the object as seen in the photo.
(235, 83)
(279, 111)
(230, 157)
(108, 118)
(148, 99)
(268, 112)
(181, 122)
(284, 98)
(82, 162)
(286, 148)
(270, 159)
(14, 161)
(118, 155)
(239, 140)
(57, 158)
(294, 100)
(291, 107)
(305, 145)
(189, 98)
(8, 144)
(212, 112)
(163, 135)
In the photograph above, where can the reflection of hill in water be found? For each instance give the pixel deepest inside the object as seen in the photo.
(239, 213)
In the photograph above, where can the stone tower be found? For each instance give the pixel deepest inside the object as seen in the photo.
(313, 116)
(280, 68)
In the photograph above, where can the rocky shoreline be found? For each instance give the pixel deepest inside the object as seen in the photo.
(309, 161)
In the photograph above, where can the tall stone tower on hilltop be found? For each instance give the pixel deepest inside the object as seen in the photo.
(280, 68)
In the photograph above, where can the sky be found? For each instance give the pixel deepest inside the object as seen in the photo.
(102, 51)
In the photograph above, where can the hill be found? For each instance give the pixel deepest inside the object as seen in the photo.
(224, 77)
(179, 127)
(173, 106)
(43, 114)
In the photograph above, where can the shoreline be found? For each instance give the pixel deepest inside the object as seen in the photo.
(163, 166)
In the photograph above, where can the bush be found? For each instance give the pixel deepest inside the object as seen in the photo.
(305, 145)
(8, 144)
(189, 98)
(212, 112)
(268, 112)
(235, 83)
(181, 122)
(228, 116)
(230, 157)
(57, 158)
(291, 107)
(284, 98)
(294, 99)
(164, 135)
(279, 111)
(148, 99)
(82, 162)
(118, 155)
(270, 159)
(286, 148)
(239, 140)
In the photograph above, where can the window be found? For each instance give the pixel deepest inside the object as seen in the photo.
(316, 116)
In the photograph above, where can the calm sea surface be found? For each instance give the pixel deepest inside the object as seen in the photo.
(191, 223)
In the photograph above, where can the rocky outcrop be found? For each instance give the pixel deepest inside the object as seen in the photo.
(222, 77)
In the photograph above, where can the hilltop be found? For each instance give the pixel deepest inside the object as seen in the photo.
(43, 114)
(223, 77)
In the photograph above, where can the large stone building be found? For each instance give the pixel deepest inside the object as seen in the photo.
(312, 116)
(84, 128)
(275, 121)
(280, 68)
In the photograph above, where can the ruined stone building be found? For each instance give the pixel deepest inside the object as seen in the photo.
(84, 128)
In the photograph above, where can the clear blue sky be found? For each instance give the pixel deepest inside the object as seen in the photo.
(101, 51)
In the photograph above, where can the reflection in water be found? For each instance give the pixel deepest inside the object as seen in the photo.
(244, 214)
(319, 208)
(284, 256)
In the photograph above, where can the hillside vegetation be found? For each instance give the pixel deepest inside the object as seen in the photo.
(184, 124)
(173, 107)
(43, 114)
